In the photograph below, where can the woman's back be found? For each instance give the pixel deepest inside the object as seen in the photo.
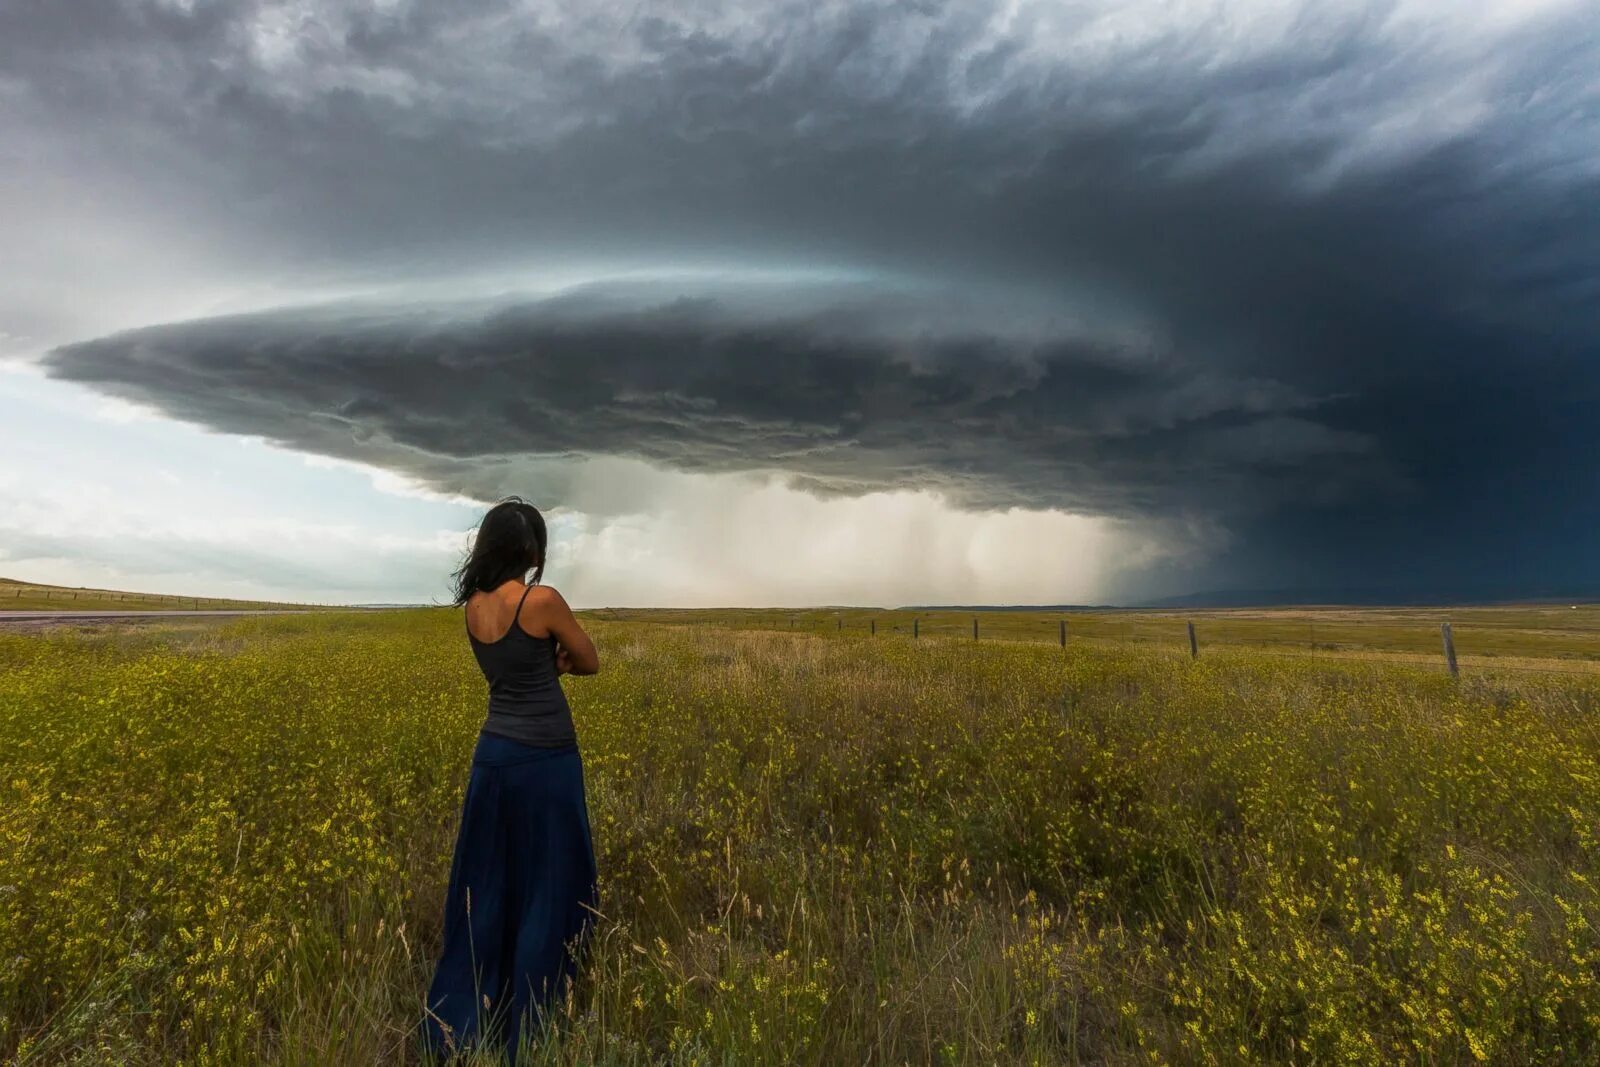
(526, 702)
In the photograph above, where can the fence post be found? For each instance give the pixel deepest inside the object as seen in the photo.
(916, 627)
(1194, 646)
(1449, 650)
(840, 621)
(974, 627)
(1063, 633)
(874, 624)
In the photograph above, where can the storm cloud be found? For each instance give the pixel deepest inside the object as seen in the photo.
(1324, 275)
(851, 394)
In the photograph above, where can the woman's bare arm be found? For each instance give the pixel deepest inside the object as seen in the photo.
(578, 650)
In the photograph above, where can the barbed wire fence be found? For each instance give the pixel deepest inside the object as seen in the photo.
(1346, 639)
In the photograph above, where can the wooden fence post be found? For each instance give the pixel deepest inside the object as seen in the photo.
(1449, 650)
(840, 621)
(874, 624)
(1063, 633)
(974, 627)
(916, 627)
(1194, 646)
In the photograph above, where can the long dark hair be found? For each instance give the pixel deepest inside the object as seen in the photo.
(510, 542)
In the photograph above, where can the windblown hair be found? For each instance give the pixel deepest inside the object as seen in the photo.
(509, 544)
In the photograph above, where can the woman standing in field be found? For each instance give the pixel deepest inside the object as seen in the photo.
(522, 881)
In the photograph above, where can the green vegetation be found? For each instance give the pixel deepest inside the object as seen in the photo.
(27, 596)
(228, 844)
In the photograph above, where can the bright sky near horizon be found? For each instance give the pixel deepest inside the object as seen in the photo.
(798, 303)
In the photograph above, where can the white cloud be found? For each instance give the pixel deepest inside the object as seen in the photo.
(703, 540)
(109, 494)
(384, 481)
(165, 539)
(114, 409)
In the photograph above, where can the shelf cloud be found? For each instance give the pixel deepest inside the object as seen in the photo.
(841, 391)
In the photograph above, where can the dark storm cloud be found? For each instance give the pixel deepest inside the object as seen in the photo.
(1328, 271)
(850, 391)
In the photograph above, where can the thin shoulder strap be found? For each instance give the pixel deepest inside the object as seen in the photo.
(517, 618)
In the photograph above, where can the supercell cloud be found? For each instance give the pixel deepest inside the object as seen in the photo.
(1318, 280)
(846, 391)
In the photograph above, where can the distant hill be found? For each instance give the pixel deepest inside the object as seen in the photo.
(31, 596)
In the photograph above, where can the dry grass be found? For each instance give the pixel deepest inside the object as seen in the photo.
(1539, 635)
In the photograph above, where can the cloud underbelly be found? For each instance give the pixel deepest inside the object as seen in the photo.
(837, 394)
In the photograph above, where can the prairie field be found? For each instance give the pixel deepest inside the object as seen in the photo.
(228, 844)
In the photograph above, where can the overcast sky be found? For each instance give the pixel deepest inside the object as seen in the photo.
(794, 303)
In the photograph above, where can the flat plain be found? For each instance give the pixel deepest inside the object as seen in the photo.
(228, 842)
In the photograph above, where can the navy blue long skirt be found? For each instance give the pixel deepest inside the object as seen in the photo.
(522, 886)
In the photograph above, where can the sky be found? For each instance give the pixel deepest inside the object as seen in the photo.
(785, 303)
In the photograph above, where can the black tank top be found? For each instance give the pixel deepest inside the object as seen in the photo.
(525, 699)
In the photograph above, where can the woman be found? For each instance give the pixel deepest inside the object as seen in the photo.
(522, 883)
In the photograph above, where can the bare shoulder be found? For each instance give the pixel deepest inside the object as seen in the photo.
(542, 600)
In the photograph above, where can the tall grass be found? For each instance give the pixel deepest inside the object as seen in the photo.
(814, 849)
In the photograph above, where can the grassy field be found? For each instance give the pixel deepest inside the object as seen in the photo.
(1545, 635)
(28, 596)
(228, 844)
